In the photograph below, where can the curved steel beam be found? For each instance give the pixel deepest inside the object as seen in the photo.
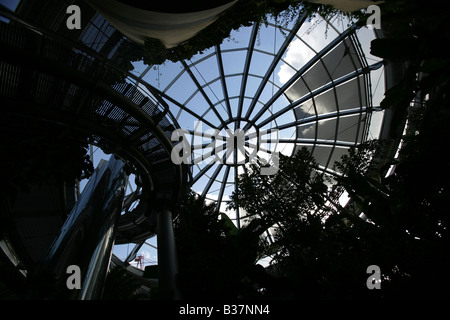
(48, 66)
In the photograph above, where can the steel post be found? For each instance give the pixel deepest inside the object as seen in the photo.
(167, 260)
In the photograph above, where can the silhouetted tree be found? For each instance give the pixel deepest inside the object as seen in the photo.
(315, 249)
(120, 285)
(322, 250)
(216, 260)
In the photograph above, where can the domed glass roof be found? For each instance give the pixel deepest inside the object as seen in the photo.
(304, 83)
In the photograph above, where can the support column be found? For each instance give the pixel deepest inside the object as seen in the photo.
(167, 260)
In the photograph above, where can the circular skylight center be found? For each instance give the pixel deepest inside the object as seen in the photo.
(235, 143)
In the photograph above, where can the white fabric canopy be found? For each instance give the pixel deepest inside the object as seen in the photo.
(171, 28)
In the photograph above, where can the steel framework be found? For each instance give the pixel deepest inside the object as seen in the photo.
(331, 93)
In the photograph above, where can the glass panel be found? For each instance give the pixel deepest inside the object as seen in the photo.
(305, 110)
(342, 59)
(259, 64)
(348, 128)
(266, 38)
(237, 39)
(233, 62)
(340, 22)
(351, 94)
(267, 93)
(233, 85)
(297, 55)
(245, 106)
(322, 154)
(252, 85)
(206, 70)
(307, 131)
(215, 88)
(327, 129)
(186, 120)
(234, 105)
(183, 88)
(161, 76)
(316, 77)
(256, 109)
(336, 156)
(317, 34)
(297, 90)
(326, 102)
(211, 116)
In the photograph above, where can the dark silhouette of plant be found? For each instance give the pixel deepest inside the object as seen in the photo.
(315, 249)
(322, 250)
(119, 285)
(216, 260)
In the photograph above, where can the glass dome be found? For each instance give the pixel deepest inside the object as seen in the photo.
(305, 83)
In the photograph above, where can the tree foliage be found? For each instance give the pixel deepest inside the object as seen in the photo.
(120, 285)
(320, 248)
(315, 248)
(216, 260)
